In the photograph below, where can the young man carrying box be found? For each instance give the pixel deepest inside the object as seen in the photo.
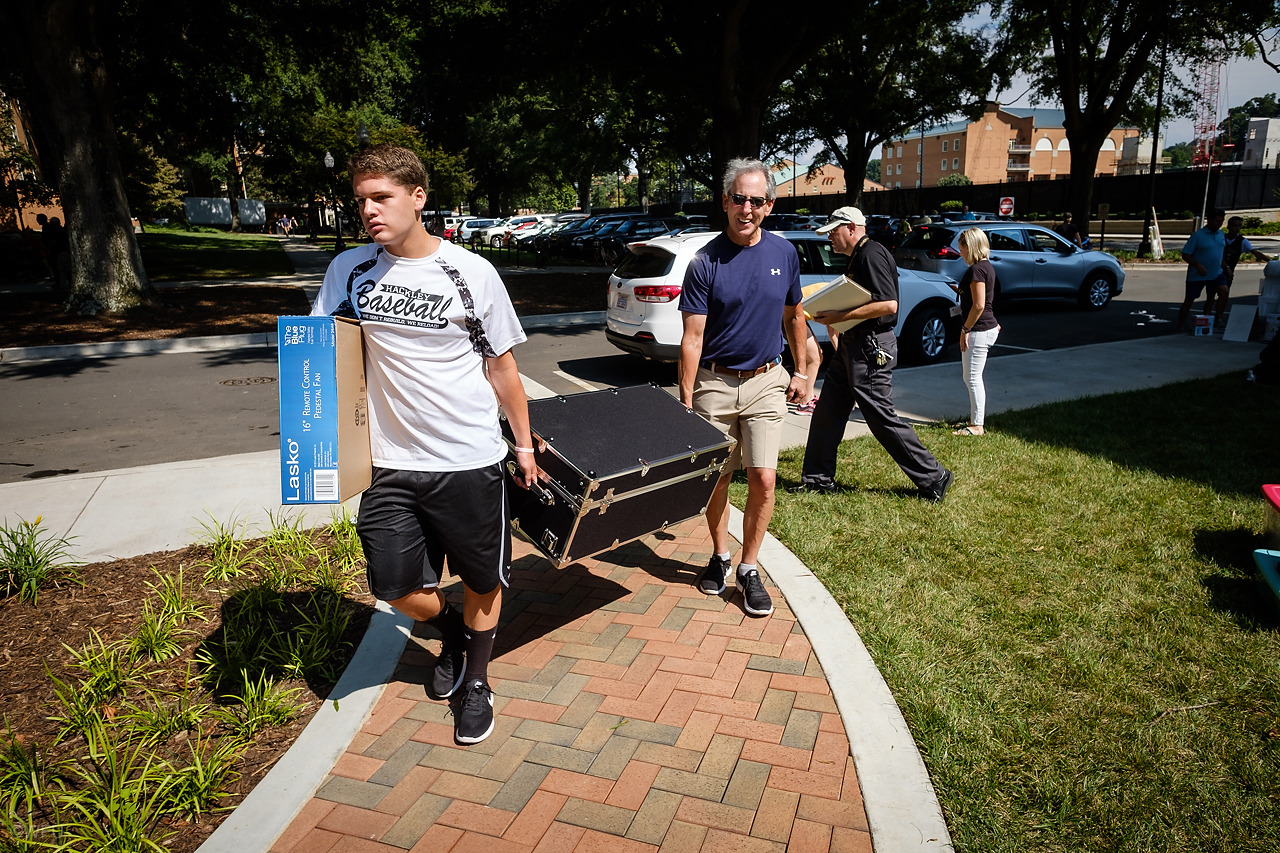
(438, 332)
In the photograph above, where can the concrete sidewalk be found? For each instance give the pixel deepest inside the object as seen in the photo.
(634, 713)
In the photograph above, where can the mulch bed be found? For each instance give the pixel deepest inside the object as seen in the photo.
(110, 602)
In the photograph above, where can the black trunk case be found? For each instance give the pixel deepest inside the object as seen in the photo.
(623, 463)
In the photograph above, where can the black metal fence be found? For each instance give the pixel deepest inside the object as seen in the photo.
(1176, 191)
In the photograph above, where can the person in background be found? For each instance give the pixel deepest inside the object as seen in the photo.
(1235, 245)
(1068, 231)
(1203, 253)
(967, 214)
(979, 331)
(862, 372)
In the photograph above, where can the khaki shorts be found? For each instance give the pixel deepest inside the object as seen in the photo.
(750, 410)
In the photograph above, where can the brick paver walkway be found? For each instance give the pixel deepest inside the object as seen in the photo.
(633, 714)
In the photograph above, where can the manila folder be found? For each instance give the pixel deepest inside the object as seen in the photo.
(840, 294)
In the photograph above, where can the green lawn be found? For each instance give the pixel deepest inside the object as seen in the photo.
(1077, 637)
(176, 255)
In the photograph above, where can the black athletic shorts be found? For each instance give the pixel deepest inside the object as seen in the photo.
(410, 521)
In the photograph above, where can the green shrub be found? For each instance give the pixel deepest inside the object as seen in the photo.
(32, 559)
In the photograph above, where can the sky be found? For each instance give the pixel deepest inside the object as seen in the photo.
(1242, 80)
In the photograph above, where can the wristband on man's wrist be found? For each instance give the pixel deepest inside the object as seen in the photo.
(523, 450)
(966, 329)
(799, 376)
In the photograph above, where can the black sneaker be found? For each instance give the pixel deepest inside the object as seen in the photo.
(450, 668)
(712, 580)
(475, 713)
(938, 490)
(822, 486)
(755, 598)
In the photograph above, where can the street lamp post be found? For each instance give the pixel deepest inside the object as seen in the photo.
(338, 245)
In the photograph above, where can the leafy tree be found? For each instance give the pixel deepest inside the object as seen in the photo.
(955, 179)
(1179, 155)
(152, 184)
(871, 84)
(873, 170)
(1100, 59)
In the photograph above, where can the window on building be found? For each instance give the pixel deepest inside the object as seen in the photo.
(899, 172)
(899, 150)
(919, 148)
(918, 165)
(956, 146)
(955, 162)
(888, 153)
(944, 146)
(1064, 145)
(1253, 133)
(898, 185)
(917, 184)
(944, 164)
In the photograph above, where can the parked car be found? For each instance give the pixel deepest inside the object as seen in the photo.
(611, 244)
(468, 230)
(1030, 261)
(885, 230)
(784, 222)
(496, 234)
(451, 231)
(644, 297)
(561, 241)
(582, 242)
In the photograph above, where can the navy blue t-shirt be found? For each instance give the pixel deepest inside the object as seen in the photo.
(742, 291)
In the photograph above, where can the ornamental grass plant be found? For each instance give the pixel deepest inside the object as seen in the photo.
(146, 729)
(1077, 637)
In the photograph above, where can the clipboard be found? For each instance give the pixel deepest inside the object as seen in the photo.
(839, 294)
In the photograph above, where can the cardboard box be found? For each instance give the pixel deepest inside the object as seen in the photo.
(1204, 324)
(324, 411)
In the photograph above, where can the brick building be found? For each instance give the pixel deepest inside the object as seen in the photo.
(1006, 145)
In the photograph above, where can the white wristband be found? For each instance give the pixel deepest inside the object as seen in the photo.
(799, 376)
(524, 450)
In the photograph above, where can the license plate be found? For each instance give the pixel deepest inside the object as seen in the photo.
(621, 304)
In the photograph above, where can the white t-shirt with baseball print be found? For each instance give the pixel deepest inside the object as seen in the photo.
(431, 407)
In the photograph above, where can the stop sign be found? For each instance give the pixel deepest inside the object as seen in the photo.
(1006, 206)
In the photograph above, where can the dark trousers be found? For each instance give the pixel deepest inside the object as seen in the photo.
(854, 377)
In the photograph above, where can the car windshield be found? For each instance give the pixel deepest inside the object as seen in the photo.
(646, 263)
(928, 237)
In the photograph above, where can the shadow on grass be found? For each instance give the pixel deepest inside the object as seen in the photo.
(274, 634)
(1238, 590)
(1218, 432)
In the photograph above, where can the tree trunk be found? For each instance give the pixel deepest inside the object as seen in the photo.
(67, 92)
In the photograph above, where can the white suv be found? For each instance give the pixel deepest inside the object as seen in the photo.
(644, 297)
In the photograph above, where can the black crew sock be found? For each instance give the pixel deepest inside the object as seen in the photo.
(448, 622)
(479, 650)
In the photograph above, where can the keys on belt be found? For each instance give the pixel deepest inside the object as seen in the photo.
(741, 374)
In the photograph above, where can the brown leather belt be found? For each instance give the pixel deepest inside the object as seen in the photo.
(741, 374)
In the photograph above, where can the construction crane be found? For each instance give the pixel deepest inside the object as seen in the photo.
(1209, 72)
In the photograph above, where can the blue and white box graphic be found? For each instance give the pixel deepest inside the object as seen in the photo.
(324, 411)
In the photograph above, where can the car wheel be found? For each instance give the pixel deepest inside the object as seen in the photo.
(924, 335)
(495, 241)
(1096, 291)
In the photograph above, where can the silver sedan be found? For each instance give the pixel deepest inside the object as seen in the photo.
(1030, 261)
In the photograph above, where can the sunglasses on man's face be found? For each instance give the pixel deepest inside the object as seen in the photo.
(741, 200)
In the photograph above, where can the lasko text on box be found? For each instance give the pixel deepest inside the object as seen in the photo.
(324, 411)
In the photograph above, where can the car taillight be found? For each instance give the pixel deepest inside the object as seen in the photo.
(657, 292)
(946, 253)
